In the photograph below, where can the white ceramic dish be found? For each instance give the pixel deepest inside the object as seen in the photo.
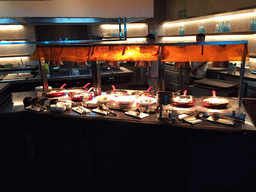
(53, 107)
(61, 107)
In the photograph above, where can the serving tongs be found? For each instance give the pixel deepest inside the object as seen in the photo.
(221, 119)
(82, 89)
(144, 93)
(216, 116)
(103, 107)
(115, 91)
(81, 109)
(56, 92)
(137, 113)
(182, 96)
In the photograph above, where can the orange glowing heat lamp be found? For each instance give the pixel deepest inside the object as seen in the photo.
(225, 52)
(141, 53)
(79, 54)
(58, 54)
(173, 52)
(48, 53)
(125, 53)
(106, 53)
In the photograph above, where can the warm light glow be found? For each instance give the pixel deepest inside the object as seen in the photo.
(175, 24)
(216, 18)
(211, 52)
(179, 39)
(18, 104)
(125, 53)
(227, 37)
(14, 58)
(224, 17)
(248, 123)
(208, 38)
(129, 26)
(10, 27)
(136, 40)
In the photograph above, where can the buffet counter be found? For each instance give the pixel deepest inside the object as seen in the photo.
(90, 146)
(152, 118)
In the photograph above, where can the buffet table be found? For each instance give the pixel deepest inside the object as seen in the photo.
(167, 153)
(246, 127)
(91, 146)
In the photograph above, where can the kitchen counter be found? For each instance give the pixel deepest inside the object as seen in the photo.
(27, 78)
(5, 96)
(22, 82)
(248, 75)
(4, 86)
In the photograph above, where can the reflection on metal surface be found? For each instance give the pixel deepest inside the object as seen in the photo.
(18, 104)
(246, 122)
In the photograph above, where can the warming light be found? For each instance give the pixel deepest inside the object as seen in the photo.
(224, 17)
(10, 27)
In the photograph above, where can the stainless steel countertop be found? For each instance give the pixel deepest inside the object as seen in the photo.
(248, 75)
(14, 78)
(247, 126)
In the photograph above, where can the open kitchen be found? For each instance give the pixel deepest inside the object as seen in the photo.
(83, 108)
